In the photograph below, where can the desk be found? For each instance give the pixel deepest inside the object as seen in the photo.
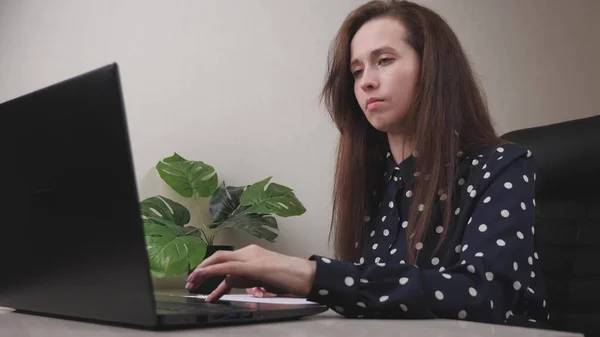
(326, 324)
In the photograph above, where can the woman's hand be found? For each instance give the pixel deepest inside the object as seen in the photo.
(253, 266)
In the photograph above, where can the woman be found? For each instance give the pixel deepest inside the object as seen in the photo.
(433, 214)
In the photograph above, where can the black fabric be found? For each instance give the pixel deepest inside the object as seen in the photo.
(568, 218)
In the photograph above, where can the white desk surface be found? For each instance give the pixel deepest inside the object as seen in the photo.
(326, 324)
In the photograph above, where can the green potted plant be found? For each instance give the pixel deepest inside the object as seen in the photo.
(175, 247)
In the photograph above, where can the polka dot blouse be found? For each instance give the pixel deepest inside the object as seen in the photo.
(486, 270)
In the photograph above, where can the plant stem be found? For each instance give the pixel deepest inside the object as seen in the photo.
(204, 236)
(209, 240)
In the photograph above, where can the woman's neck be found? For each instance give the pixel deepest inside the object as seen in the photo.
(400, 146)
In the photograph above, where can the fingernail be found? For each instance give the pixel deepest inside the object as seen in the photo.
(188, 285)
(259, 294)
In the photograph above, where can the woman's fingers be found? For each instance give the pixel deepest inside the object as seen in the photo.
(235, 268)
(221, 289)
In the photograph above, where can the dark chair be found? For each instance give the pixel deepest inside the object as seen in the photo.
(568, 218)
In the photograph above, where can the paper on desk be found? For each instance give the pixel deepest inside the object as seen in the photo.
(250, 298)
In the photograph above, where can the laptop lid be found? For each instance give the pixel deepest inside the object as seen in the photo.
(71, 238)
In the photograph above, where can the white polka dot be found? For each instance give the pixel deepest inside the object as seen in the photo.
(409, 193)
(475, 162)
(535, 254)
(393, 251)
(482, 228)
(458, 248)
(326, 260)
(419, 246)
(544, 303)
(534, 177)
(486, 175)
(505, 213)
(486, 200)
(364, 280)
(435, 261)
(323, 292)
(534, 202)
(473, 194)
(367, 218)
(439, 229)
(520, 235)
(405, 224)
(500, 242)
(338, 309)
(500, 149)
(349, 281)
(465, 247)
(439, 295)
(421, 207)
(532, 230)
(372, 233)
(395, 178)
(532, 274)
(447, 276)
(525, 178)
(383, 298)
(515, 266)
(361, 304)
(386, 232)
(471, 269)
(355, 245)
(402, 262)
(443, 197)
(442, 269)
(383, 218)
(469, 222)
(530, 261)
(404, 280)
(500, 157)
(404, 307)
(484, 166)
(517, 285)
(461, 181)
(463, 262)
(377, 259)
(381, 264)
(473, 291)
(470, 188)
(508, 185)
(530, 290)
(508, 314)
(528, 153)
(489, 276)
(457, 211)
(462, 314)
(491, 304)
(375, 246)
(480, 254)
(523, 206)
(391, 204)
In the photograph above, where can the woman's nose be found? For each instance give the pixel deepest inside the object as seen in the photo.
(369, 80)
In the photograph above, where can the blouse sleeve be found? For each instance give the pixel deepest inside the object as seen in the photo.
(494, 262)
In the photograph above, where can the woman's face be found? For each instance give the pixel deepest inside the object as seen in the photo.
(385, 69)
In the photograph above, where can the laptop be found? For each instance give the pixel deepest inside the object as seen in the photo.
(71, 238)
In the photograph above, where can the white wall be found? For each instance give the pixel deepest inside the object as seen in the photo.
(235, 83)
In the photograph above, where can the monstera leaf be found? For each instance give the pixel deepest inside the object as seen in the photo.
(188, 178)
(265, 198)
(262, 226)
(170, 252)
(224, 201)
(164, 211)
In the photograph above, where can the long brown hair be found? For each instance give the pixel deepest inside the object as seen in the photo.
(449, 114)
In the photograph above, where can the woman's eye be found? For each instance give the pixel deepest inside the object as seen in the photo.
(385, 61)
(357, 73)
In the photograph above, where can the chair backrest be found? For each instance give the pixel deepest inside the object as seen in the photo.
(568, 218)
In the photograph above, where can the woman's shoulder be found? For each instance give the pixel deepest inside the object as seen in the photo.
(504, 158)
